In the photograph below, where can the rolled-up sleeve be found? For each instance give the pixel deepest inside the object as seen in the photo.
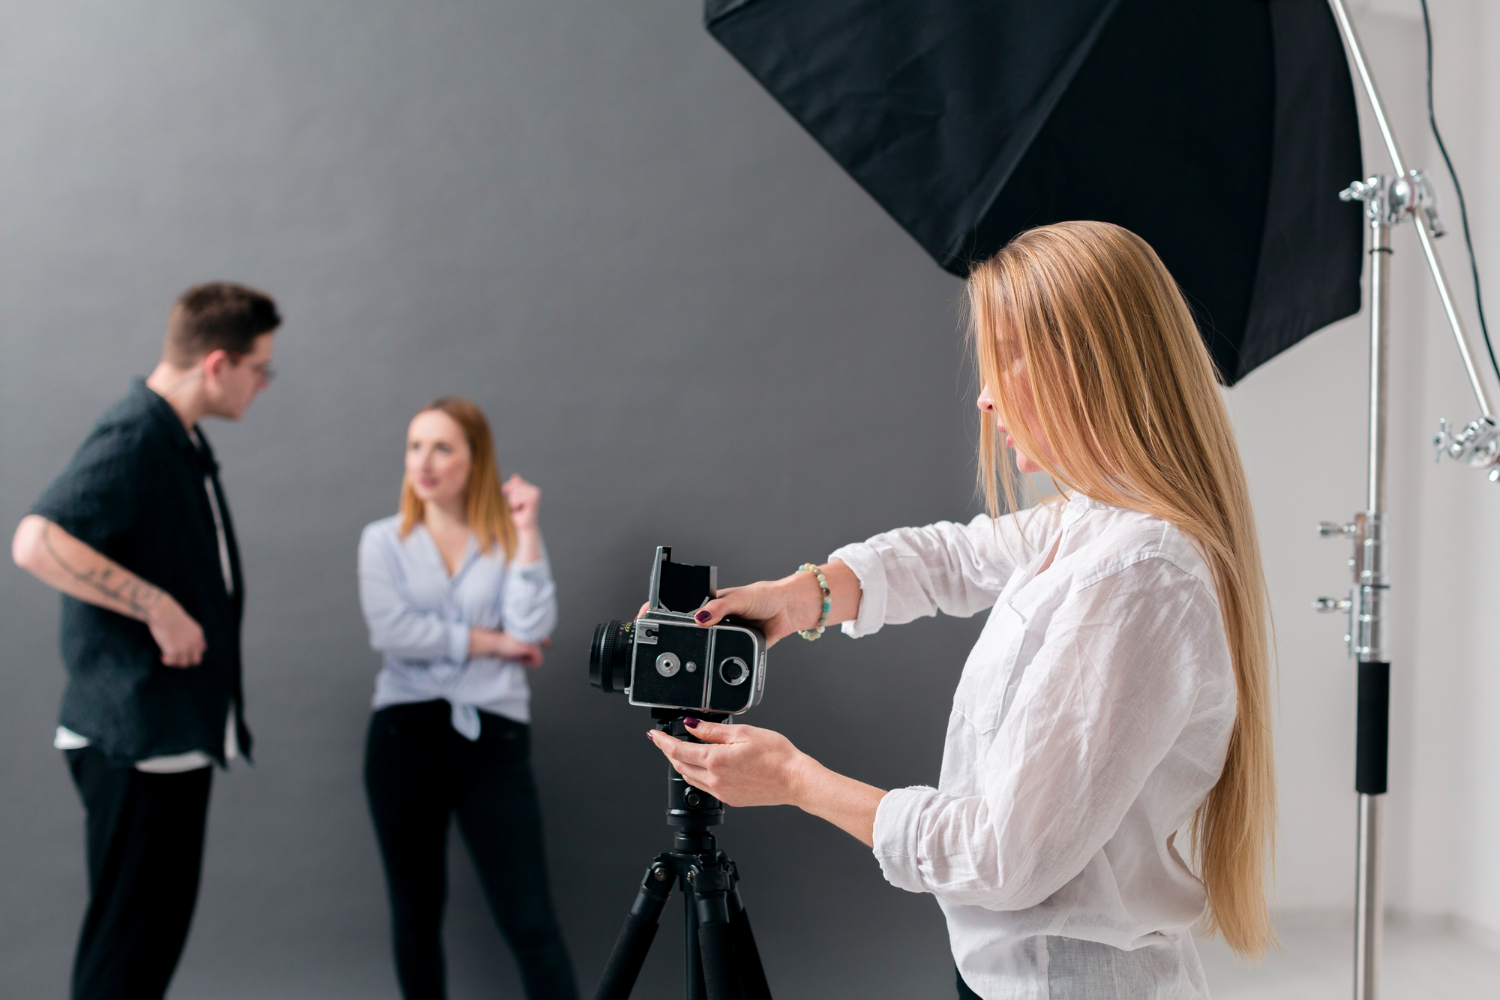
(1125, 666)
(896, 847)
(958, 569)
(529, 609)
(98, 497)
(396, 627)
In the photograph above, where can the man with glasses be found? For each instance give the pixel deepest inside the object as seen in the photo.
(136, 535)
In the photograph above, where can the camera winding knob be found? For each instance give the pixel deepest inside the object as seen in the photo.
(733, 671)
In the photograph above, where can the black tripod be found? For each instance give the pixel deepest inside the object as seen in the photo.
(722, 960)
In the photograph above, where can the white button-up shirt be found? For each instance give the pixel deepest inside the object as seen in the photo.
(1091, 720)
(420, 617)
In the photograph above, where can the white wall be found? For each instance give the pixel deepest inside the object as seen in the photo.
(1302, 428)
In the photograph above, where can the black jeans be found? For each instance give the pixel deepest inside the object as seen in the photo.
(145, 855)
(418, 772)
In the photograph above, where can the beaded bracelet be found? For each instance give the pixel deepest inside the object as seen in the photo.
(812, 633)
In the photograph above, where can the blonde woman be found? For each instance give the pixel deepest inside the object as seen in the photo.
(1118, 693)
(459, 599)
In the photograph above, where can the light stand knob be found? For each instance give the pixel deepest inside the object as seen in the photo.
(1476, 445)
(1336, 529)
(1329, 605)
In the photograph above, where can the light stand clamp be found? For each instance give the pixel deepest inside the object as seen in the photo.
(1392, 200)
(1478, 444)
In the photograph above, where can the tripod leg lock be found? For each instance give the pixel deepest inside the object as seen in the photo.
(629, 954)
(716, 902)
(656, 887)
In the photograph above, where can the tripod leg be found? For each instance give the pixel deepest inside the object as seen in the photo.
(752, 973)
(691, 952)
(635, 938)
(716, 938)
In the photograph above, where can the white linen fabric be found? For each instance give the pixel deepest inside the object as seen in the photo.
(420, 618)
(1091, 720)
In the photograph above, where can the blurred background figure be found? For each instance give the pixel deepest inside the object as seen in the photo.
(459, 599)
(136, 535)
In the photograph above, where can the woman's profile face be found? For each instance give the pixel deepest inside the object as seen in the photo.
(437, 458)
(1019, 403)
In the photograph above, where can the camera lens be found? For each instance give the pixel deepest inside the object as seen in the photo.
(609, 656)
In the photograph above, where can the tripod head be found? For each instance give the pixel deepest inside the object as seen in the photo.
(690, 809)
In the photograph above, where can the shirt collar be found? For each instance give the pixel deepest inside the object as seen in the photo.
(471, 553)
(171, 424)
(1080, 502)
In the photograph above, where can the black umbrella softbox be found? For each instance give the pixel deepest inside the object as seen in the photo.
(1221, 131)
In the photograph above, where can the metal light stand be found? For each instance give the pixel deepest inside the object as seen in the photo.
(1388, 201)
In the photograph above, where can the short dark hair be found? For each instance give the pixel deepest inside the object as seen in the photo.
(214, 316)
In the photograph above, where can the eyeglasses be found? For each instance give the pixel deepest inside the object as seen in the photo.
(260, 371)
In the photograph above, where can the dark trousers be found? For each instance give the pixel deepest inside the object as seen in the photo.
(964, 991)
(145, 853)
(418, 772)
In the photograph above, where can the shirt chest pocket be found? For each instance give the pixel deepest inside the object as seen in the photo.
(994, 670)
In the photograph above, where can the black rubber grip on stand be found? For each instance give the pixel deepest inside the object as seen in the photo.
(625, 961)
(720, 970)
(1372, 739)
(752, 974)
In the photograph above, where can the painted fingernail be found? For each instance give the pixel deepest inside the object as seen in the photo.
(691, 723)
(703, 616)
(651, 735)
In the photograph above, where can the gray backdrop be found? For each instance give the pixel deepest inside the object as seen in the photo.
(686, 325)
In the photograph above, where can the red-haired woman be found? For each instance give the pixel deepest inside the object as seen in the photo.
(459, 599)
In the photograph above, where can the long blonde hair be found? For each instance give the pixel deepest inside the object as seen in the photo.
(486, 507)
(1127, 396)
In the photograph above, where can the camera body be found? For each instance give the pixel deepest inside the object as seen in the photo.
(666, 660)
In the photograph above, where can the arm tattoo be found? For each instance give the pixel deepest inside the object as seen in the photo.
(122, 587)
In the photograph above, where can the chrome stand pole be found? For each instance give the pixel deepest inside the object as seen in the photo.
(1389, 201)
(1366, 604)
(1369, 922)
(1373, 725)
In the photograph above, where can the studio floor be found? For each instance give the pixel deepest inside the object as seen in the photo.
(1423, 961)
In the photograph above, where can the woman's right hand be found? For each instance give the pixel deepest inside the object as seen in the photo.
(486, 642)
(791, 604)
(777, 607)
(780, 607)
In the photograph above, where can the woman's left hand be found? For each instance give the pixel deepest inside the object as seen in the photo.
(504, 646)
(738, 765)
(525, 499)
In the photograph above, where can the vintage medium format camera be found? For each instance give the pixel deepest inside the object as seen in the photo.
(665, 660)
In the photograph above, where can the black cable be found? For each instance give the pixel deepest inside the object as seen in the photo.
(1463, 210)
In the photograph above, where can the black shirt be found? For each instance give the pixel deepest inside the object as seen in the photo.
(135, 492)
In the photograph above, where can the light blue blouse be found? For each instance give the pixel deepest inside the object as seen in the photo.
(419, 619)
